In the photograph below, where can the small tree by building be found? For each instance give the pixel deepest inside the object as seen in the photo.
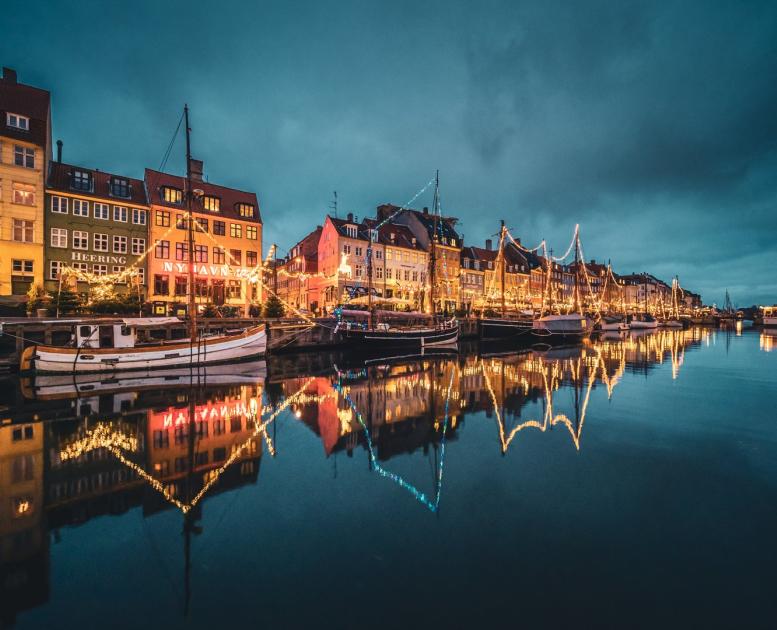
(65, 301)
(37, 298)
(274, 307)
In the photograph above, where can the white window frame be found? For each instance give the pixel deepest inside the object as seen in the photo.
(80, 266)
(26, 153)
(22, 224)
(138, 246)
(26, 197)
(118, 212)
(117, 269)
(78, 237)
(83, 208)
(137, 214)
(97, 237)
(122, 242)
(14, 120)
(102, 207)
(57, 204)
(58, 265)
(59, 237)
(100, 269)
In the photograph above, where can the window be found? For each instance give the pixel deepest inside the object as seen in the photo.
(24, 194)
(81, 180)
(389, 273)
(58, 237)
(101, 211)
(358, 251)
(100, 242)
(118, 270)
(181, 222)
(139, 216)
(235, 230)
(59, 205)
(201, 253)
(100, 270)
(80, 266)
(120, 213)
(235, 256)
(252, 259)
(161, 284)
(379, 273)
(219, 228)
(182, 251)
(161, 439)
(201, 287)
(141, 275)
(171, 195)
(378, 255)
(252, 232)
(119, 244)
(120, 187)
(245, 210)
(162, 218)
(23, 156)
(218, 255)
(200, 225)
(233, 289)
(18, 122)
(162, 249)
(181, 285)
(138, 246)
(415, 276)
(389, 254)
(350, 230)
(211, 203)
(22, 266)
(80, 239)
(407, 275)
(80, 208)
(346, 249)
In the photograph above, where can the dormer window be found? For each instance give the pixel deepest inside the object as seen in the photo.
(374, 235)
(17, 122)
(213, 204)
(245, 210)
(120, 187)
(81, 180)
(453, 242)
(350, 230)
(171, 195)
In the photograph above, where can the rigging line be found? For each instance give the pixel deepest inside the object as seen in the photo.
(406, 205)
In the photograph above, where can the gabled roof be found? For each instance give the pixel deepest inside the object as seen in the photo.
(339, 225)
(60, 178)
(402, 235)
(444, 227)
(229, 197)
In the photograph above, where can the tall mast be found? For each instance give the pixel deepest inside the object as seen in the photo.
(433, 247)
(190, 229)
(549, 277)
(502, 254)
(369, 278)
(645, 289)
(577, 274)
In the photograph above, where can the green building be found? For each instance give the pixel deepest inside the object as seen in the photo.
(96, 231)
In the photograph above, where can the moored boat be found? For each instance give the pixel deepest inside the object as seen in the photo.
(612, 324)
(644, 321)
(503, 328)
(417, 338)
(572, 326)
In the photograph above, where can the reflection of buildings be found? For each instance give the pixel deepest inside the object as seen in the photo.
(98, 461)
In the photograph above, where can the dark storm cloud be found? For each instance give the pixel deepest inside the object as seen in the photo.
(651, 124)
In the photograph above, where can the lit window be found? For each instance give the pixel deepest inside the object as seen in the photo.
(201, 253)
(171, 195)
(120, 214)
(80, 240)
(162, 218)
(100, 242)
(245, 210)
(81, 180)
(101, 211)
(24, 156)
(351, 230)
(120, 187)
(24, 194)
(162, 249)
(252, 259)
(118, 270)
(235, 230)
(59, 205)
(219, 256)
(119, 244)
(211, 203)
(139, 216)
(138, 246)
(182, 251)
(251, 232)
(17, 121)
(22, 230)
(80, 208)
(181, 222)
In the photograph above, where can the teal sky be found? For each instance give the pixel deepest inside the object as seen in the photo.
(653, 125)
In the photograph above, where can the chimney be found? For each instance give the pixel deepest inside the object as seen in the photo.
(195, 166)
(350, 217)
(9, 75)
(426, 209)
(59, 151)
(489, 244)
(593, 261)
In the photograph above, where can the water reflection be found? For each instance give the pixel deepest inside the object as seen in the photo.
(72, 450)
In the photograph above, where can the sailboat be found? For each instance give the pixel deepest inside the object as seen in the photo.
(644, 321)
(414, 338)
(503, 327)
(563, 327)
(613, 323)
(728, 315)
(114, 345)
(673, 321)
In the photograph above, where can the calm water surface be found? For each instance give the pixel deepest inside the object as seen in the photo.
(629, 482)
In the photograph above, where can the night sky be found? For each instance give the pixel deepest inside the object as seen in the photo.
(653, 125)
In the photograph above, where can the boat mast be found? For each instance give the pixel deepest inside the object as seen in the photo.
(369, 279)
(433, 247)
(190, 230)
(550, 281)
(502, 254)
(577, 274)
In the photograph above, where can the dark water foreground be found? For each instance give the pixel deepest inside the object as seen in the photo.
(630, 482)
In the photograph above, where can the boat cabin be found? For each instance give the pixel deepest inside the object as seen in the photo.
(121, 333)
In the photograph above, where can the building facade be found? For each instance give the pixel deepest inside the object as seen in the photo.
(96, 230)
(227, 254)
(25, 150)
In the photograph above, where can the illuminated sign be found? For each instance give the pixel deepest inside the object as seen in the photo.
(210, 270)
(98, 258)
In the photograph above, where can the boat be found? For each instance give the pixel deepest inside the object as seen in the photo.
(728, 315)
(643, 321)
(98, 347)
(612, 324)
(672, 323)
(769, 318)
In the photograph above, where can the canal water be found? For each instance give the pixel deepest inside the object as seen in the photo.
(628, 482)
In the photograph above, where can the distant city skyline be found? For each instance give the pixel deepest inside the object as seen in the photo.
(652, 126)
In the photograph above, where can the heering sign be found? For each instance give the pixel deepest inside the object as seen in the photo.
(208, 270)
(97, 258)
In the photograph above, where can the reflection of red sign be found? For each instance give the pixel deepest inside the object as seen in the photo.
(173, 417)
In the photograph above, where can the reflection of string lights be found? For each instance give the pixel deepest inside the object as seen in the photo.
(103, 435)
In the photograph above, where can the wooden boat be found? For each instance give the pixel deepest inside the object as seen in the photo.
(611, 324)
(643, 321)
(503, 328)
(113, 347)
(573, 326)
(416, 338)
(671, 323)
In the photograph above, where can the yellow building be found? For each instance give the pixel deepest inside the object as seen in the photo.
(25, 150)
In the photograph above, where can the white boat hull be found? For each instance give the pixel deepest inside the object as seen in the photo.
(672, 323)
(770, 322)
(614, 326)
(638, 325)
(218, 349)
(561, 325)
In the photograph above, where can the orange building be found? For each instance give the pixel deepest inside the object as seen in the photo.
(227, 244)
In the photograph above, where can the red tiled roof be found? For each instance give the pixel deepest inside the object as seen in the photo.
(60, 177)
(229, 196)
(28, 101)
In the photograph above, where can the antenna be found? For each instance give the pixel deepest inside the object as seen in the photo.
(333, 204)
